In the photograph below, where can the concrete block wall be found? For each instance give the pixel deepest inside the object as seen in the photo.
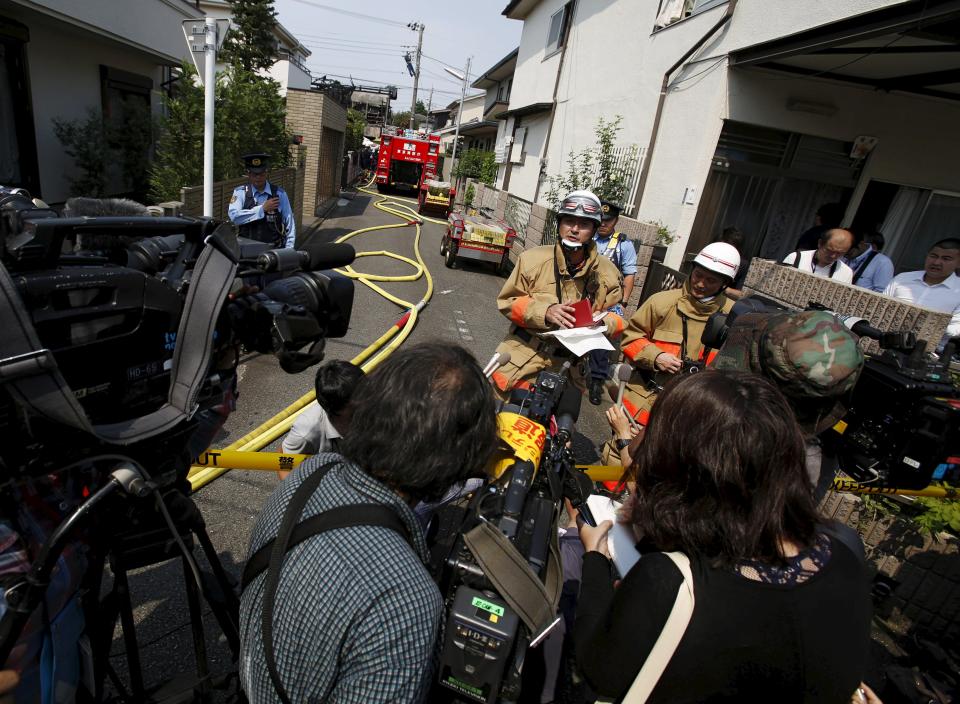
(796, 288)
(924, 569)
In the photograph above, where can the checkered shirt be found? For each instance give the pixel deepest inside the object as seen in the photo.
(357, 614)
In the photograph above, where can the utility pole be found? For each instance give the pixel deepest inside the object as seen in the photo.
(463, 93)
(430, 104)
(417, 27)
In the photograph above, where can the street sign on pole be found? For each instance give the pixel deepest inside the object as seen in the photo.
(204, 38)
(195, 31)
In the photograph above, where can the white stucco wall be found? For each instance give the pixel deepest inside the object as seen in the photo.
(152, 25)
(615, 63)
(524, 175)
(693, 118)
(67, 89)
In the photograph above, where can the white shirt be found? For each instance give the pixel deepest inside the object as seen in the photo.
(910, 287)
(311, 433)
(842, 273)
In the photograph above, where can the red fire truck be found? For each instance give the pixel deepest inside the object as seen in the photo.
(407, 161)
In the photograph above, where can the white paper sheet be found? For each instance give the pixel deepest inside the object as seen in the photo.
(582, 340)
(620, 541)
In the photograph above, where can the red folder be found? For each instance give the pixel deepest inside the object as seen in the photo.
(583, 312)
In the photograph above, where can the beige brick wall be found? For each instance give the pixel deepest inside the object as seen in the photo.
(321, 122)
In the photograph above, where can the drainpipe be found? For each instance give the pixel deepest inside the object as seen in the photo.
(553, 109)
(654, 133)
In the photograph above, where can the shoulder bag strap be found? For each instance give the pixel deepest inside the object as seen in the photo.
(863, 265)
(796, 260)
(669, 638)
(291, 517)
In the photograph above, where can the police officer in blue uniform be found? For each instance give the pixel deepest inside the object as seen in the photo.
(261, 210)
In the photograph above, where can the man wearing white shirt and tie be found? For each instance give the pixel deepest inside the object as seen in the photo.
(937, 287)
(825, 260)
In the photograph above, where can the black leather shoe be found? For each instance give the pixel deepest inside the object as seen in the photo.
(596, 391)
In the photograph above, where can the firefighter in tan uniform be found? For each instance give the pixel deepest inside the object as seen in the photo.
(663, 336)
(541, 291)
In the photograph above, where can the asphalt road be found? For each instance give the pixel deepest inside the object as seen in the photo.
(462, 310)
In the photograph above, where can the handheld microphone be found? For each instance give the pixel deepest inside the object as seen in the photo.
(496, 361)
(621, 373)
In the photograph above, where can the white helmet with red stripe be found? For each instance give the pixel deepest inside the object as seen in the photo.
(583, 204)
(721, 258)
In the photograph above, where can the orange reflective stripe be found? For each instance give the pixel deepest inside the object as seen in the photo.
(618, 324)
(710, 357)
(519, 308)
(642, 417)
(502, 382)
(633, 349)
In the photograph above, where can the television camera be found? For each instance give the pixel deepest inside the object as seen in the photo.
(117, 366)
(902, 418)
(501, 577)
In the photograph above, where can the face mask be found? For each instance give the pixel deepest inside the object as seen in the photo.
(570, 245)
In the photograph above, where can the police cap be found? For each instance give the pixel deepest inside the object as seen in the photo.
(608, 210)
(256, 163)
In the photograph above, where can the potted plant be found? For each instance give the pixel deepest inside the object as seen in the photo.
(665, 237)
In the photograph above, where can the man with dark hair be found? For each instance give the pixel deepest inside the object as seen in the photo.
(321, 425)
(351, 613)
(829, 216)
(734, 236)
(825, 260)
(871, 269)
(936, 287)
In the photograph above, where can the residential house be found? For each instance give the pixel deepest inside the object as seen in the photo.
(476, 132)
(290, 69)
(62, 59)
(750, 113)
(497, 81)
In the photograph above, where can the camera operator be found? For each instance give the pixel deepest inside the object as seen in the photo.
(814, 361)
(663, 336)
(322, 425)
(356, 613)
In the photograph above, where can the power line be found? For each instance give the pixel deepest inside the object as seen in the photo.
(345, 50)
(444, 63)
(378, 81)
(322, 38)
(358, 15)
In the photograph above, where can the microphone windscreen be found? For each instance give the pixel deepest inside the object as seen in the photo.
(569, 404)
(624, 371)
(329, 255)
(504, 358)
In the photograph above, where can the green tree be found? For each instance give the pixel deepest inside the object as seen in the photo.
(86, 141)
(250, 44)
(478, 164)
(250, 117)
(401, 119)
(420, 108)
(354, 135)
(597, 168)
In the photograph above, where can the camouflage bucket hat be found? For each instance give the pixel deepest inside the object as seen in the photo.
(811, 357)
(809, 354)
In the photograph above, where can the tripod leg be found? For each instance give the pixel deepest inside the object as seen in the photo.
(121, 587)
(196, 626)
(223, 601)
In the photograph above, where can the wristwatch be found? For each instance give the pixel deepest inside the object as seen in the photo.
(621, 443)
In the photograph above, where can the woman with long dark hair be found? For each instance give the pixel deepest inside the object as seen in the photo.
(782, 611)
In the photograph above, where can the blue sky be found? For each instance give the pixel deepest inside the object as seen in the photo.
(367, 40)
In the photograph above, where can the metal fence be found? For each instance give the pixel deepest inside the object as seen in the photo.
(628, 163)
(660, 278)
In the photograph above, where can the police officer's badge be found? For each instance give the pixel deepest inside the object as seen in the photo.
(605, 208)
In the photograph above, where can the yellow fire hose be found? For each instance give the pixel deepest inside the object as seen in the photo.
(206, 470)
(274, 461)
